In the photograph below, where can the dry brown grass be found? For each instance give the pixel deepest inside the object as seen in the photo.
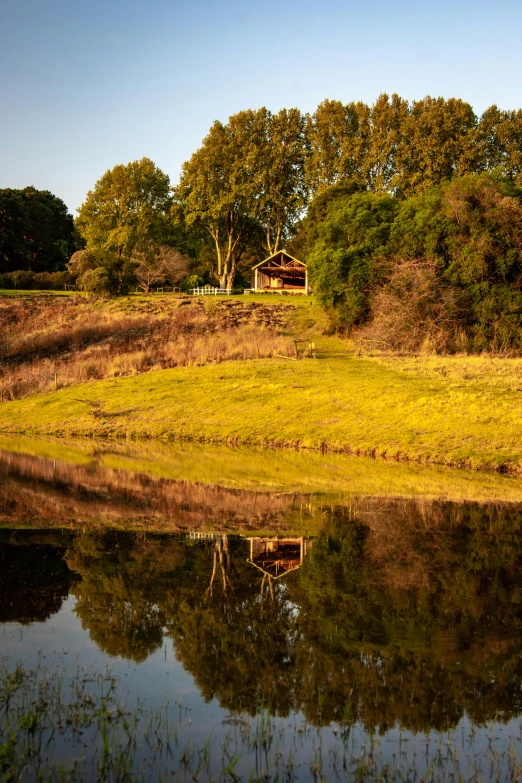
(51, 345)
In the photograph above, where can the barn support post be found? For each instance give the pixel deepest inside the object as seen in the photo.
(255, 279)
(306, 281)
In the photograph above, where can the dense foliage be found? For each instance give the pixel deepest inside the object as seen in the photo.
(36, 231)
(252, 179)
(244, 188)
(441, 269)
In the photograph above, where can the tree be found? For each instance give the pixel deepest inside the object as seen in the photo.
(219, 188)
(347, 248)
(338, 139)
(36, 231)
(102, 272)
(469, 232)
(437, 142)
(499, 142)
(158, 265)
(283, 194)
(391, 146)
(127, 210)
(384, 129)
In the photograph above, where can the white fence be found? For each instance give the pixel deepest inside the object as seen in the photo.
(210, 290)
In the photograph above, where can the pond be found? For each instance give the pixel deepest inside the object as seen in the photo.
(154, 626)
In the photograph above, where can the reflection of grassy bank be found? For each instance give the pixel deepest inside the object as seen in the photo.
(262, 470)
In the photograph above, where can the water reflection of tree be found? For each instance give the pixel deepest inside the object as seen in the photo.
(127, 583)
(34, 580)
(407, 613)
(238, 646)
(408, 617)
(390, 611)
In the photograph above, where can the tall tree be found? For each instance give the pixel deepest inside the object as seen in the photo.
(218, 191)
(127, 209)
(282, 175)
(437, 142)
(247, 180)
(384, 127)
(337, 137)
(392, 146)
(499, 142)
(36, 231)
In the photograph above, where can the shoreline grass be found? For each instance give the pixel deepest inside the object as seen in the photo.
(338, 404)
(58, 727)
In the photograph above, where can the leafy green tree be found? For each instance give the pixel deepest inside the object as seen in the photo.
(471, 229)
(384, 130)
(336, 136)
(499, 142)
(391, 146)
(245, 186)
(283, 194)
(218, 193)
(36, 231)
(347, 250)
(437, 142)
(127, 210)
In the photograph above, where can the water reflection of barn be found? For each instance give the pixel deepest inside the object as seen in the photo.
(277, 556)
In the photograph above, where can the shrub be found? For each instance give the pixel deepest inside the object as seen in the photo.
(36, 281)
(414, 310)
(101, 271)
(345, 260)
(23, 280)
(442, 269)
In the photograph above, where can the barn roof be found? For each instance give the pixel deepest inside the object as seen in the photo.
(279, 253)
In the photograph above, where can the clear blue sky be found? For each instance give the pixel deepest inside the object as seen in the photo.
(87, 85)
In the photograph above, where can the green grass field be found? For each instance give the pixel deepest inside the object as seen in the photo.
(15, 292)
(461, 411)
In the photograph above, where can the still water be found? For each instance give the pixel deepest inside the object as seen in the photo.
(176, 630)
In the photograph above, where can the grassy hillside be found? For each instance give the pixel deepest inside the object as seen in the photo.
(455, 411)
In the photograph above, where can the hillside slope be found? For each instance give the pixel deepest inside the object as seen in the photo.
(463, 411)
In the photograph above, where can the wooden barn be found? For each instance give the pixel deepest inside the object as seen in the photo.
(277, 556)
(281, 271)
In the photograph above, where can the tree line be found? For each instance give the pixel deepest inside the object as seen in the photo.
(264, 180)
